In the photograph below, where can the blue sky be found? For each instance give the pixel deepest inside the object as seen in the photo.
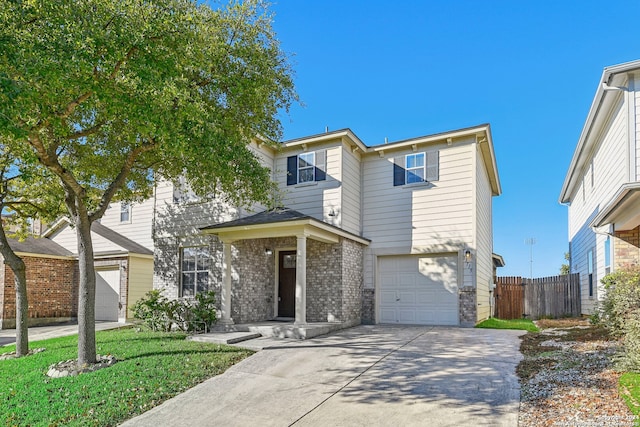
(405, 69)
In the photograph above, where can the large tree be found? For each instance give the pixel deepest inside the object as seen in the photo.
(105, 94)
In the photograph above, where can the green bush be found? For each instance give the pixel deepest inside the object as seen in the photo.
(160, 313)
(620, 312)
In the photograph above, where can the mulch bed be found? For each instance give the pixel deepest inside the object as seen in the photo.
(567, 378)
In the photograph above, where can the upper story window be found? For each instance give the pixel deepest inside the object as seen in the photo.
(194, 270)
(416, 167)
(125, 212)
(307, 167)
(182, 192)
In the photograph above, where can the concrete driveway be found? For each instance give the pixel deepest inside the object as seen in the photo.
(367, 375)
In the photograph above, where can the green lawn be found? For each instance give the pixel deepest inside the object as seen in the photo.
(630, 391)
(151, 368)
(523, 324)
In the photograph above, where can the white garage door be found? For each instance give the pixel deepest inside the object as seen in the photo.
(107, 294)
(418, 290)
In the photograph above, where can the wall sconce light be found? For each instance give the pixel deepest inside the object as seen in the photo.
(467, 255)
(268, 251)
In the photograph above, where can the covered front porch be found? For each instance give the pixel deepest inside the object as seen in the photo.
(286, 266)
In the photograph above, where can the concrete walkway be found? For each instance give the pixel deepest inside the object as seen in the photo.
(37, 333)
(363, 376)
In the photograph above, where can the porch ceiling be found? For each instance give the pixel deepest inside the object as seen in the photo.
(623, 210)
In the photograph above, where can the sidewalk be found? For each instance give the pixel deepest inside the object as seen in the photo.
(37, 333)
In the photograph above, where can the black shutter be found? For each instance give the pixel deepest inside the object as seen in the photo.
(292, 170)
(321, 165)
(398, 171)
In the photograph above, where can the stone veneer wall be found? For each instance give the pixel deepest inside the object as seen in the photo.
(352, 280)
(324, 281)
(52, 291)
(368, 306)
(627, 248)
(467, 306)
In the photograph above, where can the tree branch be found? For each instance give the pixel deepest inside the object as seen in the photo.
(73, 104)
(85, 132)
(120, 179)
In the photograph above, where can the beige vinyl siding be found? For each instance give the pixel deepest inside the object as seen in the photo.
(418, 218)
(484, 240)
(318, 198)
(140, 280)
(419, 215)
(186, 219)
(140, 225)
(351, 164)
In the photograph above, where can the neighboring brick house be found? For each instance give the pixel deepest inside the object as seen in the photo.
(394, 233)
(124, 267)
(52, 291)
(602, 184)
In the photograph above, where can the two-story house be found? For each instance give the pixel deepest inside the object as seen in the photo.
(394, 233)
(602, 185)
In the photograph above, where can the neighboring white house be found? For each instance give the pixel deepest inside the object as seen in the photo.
(394, 233)
(602, 185)
(123, 254)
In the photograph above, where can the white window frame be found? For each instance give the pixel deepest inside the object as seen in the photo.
(607, 255)
(415, 173)
(182, 192)
(125, 212)
(590, 271)
(201, 268)
(310, 160)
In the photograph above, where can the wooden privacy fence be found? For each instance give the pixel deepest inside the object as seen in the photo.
(555, 296)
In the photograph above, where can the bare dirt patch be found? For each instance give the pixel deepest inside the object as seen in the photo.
(567, 378)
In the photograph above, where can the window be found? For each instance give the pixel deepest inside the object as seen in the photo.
(307, 167)
(607, 255)
(125, 212)
(182, 192)
(416, 167)
(590, 271)
(194, 270)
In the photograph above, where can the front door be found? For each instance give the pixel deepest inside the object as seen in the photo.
(287, 284)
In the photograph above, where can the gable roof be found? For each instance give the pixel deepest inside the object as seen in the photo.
(482, 132)
(603, 102)
(38, 246)
(280, 222)
(103, 231)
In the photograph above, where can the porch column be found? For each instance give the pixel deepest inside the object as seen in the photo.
(301, 280)
(225, 297)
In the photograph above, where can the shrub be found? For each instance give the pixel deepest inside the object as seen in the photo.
(620, 312)
(160, 313)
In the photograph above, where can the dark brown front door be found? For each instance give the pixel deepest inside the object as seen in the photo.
(287, 284)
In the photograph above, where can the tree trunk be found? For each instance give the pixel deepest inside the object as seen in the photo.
(86, 294)
(22, 306)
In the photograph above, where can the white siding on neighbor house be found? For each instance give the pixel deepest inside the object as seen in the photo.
(636, 114)
(484, 240)
(351, 194)
(610, 169)
(418, 218)
(66, 237)
(138, 228)
(319, 198)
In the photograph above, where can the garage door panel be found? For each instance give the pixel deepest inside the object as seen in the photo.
(418, 290)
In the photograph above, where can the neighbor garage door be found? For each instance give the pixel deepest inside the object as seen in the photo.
(107, 294)
(418, 290)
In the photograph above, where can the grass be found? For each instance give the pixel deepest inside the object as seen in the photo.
(629, 386)
(151, 368)
(521, 324)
